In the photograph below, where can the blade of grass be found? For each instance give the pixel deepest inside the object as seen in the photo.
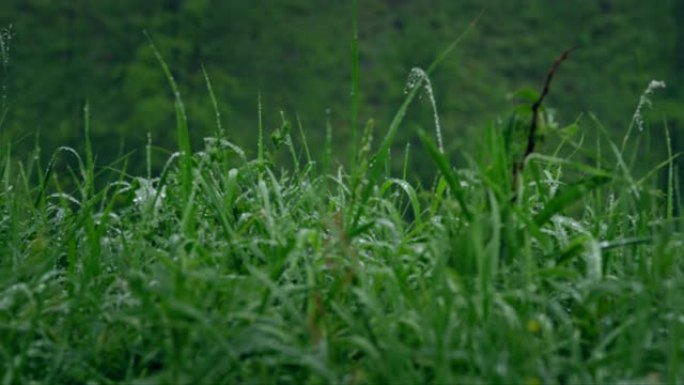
(260, 143)
(670, 174)
(410, 193)
(618, 156)
(355, 95)
(89, 163)
(305, 143)
(182, 131)
(449, 175)
(404, 169)
(327, 146)
(220, 133)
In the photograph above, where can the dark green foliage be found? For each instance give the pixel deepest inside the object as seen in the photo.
(63, 54)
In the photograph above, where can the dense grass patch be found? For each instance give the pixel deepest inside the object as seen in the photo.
(257, 274)
(227, 268)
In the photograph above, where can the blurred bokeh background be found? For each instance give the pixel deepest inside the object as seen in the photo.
(297, 54)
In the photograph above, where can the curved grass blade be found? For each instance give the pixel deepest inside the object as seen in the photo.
(182, 131)
(445, 168)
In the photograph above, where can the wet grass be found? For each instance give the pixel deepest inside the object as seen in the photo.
(227, 268)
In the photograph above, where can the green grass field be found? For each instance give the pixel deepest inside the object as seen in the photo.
(230, 268)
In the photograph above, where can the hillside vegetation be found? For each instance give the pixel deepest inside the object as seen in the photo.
(297, 54)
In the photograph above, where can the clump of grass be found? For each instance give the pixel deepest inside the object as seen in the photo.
(228, 269)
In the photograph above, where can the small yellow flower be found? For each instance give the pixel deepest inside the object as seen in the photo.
(533, 326)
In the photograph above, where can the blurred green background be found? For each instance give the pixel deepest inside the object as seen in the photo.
(297, 54)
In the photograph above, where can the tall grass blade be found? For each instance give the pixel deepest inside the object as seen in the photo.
(220, 133)
(669, 195)
(327, 146)
(305, 142)
(355, 92)
(182, 131)
(445, 169)
(89, 174)
(260, 142)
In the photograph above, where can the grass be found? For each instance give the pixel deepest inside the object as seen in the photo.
(228, 269)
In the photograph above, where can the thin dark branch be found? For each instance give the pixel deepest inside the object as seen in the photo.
(531, 139)
(532, 136)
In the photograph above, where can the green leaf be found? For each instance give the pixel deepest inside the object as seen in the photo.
(527, 94)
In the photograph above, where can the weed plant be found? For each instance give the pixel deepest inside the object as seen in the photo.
(230, 269)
